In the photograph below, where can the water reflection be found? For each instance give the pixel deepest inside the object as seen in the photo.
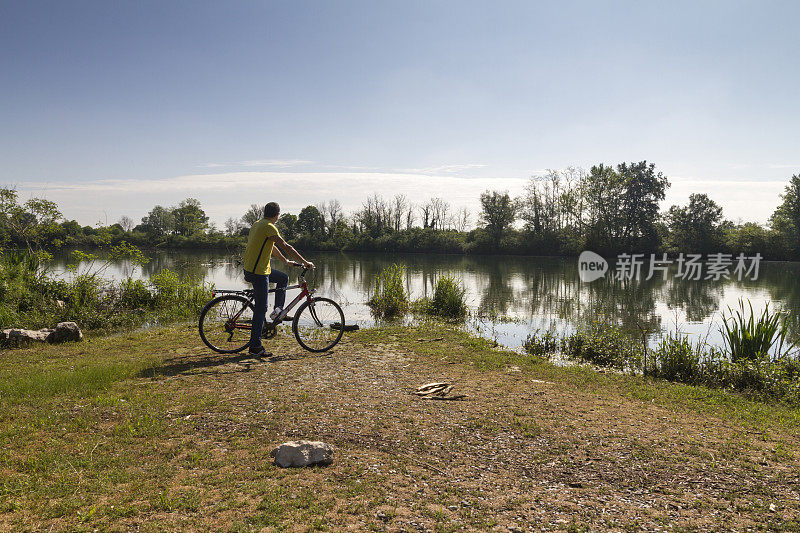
(537, 292)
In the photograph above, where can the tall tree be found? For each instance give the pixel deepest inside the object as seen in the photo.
(461, 221)
(785, 221)
(399, 208)
(621, 207)
(126, 223)
(189, 217)
(32, 224)
(333, 215)
(159, 221)
(311, 222)
(253, 215)
(695, 227)
(287, 225)
(498, 212)
(233, 226)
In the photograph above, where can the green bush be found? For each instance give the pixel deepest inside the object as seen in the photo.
(390, 297)
(449, 299)
(134, 294)
(30, 296)
(541, 344)
(605, 345)
(675, 359)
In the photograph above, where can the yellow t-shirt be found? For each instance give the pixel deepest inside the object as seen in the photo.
(259, 247)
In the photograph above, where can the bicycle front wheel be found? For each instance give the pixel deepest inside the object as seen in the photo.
(225, 323)
(312, 324)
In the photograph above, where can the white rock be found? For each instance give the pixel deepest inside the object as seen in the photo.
(16, 335)
(64, 331)
(302, 453)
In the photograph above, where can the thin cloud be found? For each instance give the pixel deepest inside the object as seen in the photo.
(281, 163)
(442, 169)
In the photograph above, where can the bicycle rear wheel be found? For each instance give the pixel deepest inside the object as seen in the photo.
(225, 323)
(312, 324)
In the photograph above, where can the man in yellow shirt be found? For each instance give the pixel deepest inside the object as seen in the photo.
(261, 245)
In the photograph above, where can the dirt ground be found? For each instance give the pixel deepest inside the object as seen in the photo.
(518, 452)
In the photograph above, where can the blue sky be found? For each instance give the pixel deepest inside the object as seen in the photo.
(109, 108)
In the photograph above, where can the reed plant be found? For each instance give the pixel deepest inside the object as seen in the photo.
(449, 299)
(390, 297)
(749, 337)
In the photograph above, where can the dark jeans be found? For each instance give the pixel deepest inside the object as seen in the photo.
(261, 288)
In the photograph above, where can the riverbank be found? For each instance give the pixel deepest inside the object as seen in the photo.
(150, 430)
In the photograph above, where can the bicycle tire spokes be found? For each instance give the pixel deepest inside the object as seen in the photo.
(225, 323)
(312, 324)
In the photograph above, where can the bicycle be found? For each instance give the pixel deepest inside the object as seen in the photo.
(225, 321)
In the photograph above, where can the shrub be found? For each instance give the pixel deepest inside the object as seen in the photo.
(134, 294)
(541, 344)
(29, 295)
(390, 297)
(675, 359)
(449, 299)
(605, 345)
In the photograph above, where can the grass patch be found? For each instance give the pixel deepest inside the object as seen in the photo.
(178, 438)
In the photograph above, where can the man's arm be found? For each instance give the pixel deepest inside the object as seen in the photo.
(289, 250)
(277, 253)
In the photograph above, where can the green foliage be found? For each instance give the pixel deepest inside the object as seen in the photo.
(750, 338)
(752, 370)
(541, 344)
(189, 217)
(159, 221)
(696, 227)
(620, 207)
(449, 299)
(31, 298)
(785, 220)
(33, 224)
(311, 222)
(675, 359)
(390, 297)
(776, 379)
(603, 344)
(287, 225)
(498, 213)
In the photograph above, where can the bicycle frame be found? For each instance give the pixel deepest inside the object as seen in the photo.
(304, 293)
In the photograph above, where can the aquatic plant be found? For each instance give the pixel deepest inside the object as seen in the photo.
(390, 297)
(749, 337)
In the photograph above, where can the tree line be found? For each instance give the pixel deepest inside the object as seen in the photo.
(608, 209)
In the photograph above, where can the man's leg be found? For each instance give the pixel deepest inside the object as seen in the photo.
(281, 281)
(260, 288)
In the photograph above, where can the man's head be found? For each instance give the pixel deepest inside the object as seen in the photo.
(272, 210)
